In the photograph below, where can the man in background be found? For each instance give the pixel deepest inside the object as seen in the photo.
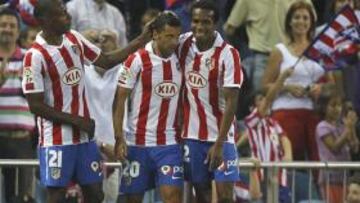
(16, 121)
(97, 14)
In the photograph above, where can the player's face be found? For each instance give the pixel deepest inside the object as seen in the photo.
(300, 22)
(354, 194)
(167, 39)
(60, 18)
(202, 24)
(9, 29)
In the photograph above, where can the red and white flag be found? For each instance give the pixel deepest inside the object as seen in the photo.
(338, 42)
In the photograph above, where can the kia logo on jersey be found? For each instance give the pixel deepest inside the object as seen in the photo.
(72, 76)
(196, 80)
(166, 89)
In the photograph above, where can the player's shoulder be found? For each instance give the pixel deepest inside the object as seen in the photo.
(74, 33)
(32, 52)
(229, 49)
(185, 37)
(134, 58)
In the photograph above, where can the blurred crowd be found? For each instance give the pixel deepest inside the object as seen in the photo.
(311, 104)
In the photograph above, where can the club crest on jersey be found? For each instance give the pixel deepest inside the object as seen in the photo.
(55, 173)
(196, 80)
(166, 89)
(72, 76)
(76, 49)
(210, 63)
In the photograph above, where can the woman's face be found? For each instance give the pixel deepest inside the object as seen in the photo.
(300, 22)
(334, 108)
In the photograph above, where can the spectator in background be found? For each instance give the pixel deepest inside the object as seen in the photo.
(294, 108)
(16, 121)
(97, 14)
(25, 8)
(334, 140)
(27, 36)
(101, 87)
(275, 145)
(181, 8)
(353, 195)
(264, 20)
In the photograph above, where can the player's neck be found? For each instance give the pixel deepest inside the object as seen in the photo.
(205, 44)
(159, 52)
(52, 38)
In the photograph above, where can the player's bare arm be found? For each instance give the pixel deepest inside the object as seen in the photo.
(110, 59)
(39, 108)
(215, 152)
(119, 106)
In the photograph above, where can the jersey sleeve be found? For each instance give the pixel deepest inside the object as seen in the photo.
(33, 78)
(91, 51)
(129, 71)
(233, 75)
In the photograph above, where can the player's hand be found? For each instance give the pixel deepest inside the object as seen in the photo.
(87, 125)
(120, 148)
(147, 32)
(214, 156)
(108, 151)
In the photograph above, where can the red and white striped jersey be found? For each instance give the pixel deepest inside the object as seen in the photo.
(152, 113)
(264, 138)
(206, 73)
(58, 72)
